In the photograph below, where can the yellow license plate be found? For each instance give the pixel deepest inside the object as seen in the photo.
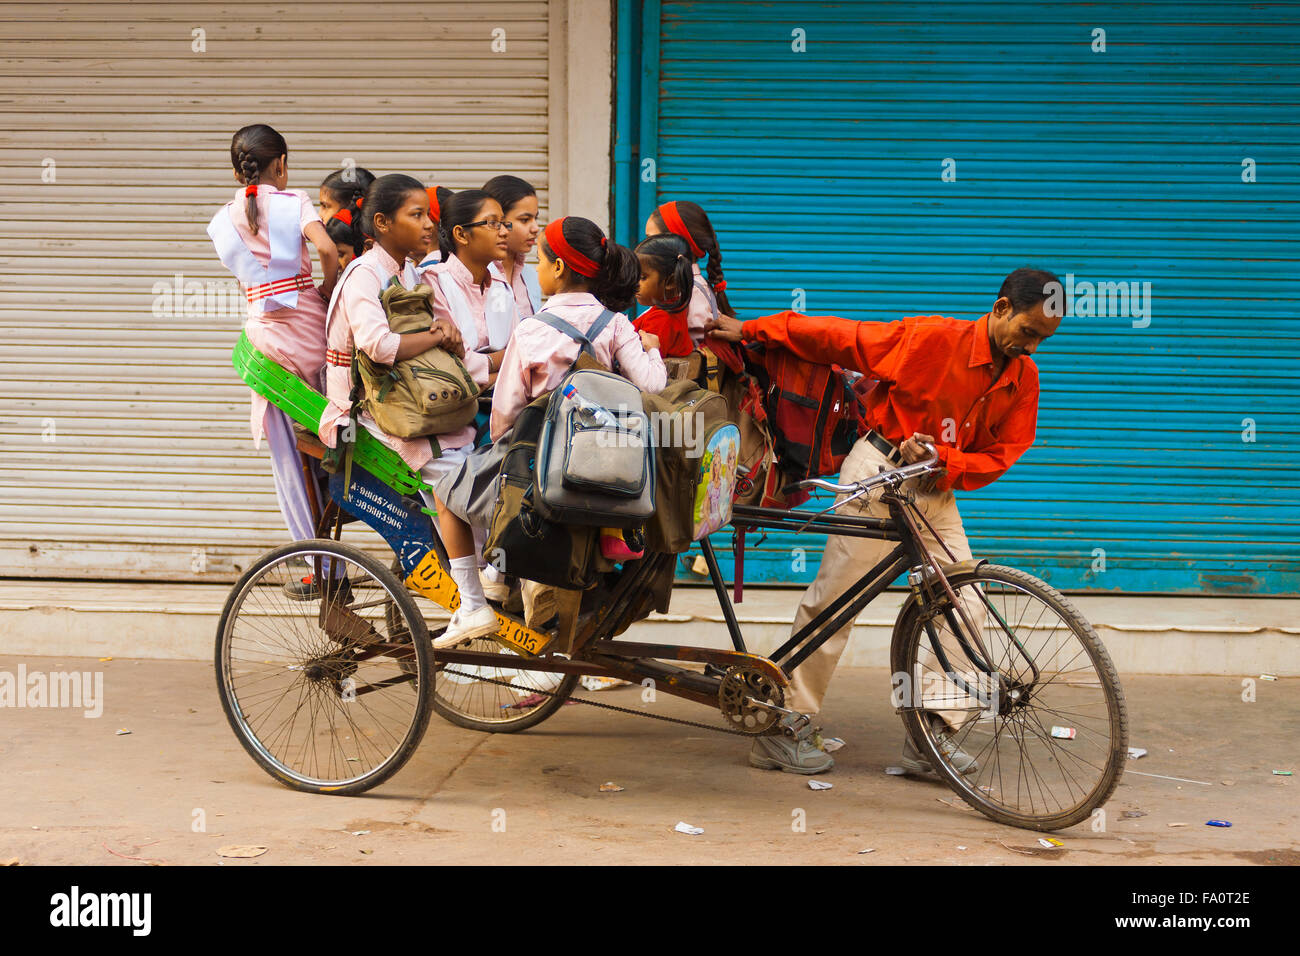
(431, 581)
(523, 640)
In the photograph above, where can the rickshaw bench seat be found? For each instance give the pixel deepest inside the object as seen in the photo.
(304, 405)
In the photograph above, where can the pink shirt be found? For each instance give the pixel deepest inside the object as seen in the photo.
(519, 287)
(476, 295)
(700, 310)
(293, 338)
(538, 356)
(356, 318)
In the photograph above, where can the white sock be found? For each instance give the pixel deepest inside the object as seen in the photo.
(464, 571)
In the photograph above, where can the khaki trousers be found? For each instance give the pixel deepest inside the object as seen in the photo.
(846, 559)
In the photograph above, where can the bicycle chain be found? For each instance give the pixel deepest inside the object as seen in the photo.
(614, 707)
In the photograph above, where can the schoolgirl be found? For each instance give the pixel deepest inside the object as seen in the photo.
(396, 216)
(472, 237)
(518, 201)
(667, 284)
(688, 220)
(261, 236)
(344, 228)
(583, 275)
(433, 255)
(344, 189)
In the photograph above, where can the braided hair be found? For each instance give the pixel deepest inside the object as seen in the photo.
(252, 150)
(696, 221)
(348, 187)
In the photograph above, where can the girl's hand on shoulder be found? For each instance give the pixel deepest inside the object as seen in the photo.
(649, 340)
(725, 327)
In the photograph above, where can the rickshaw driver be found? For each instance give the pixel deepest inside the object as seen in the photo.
(974, 385)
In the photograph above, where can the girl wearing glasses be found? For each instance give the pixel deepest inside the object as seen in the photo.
(518, 201)
(691, 223)
(470, 291)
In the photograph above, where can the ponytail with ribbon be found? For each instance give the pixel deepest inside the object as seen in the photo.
(608, 271)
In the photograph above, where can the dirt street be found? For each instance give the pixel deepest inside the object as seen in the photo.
(74, 791)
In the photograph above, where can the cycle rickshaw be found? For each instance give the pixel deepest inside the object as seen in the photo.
(333, 694)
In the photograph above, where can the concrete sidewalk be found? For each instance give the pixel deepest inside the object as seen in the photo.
(1144, 635)
(179, 786)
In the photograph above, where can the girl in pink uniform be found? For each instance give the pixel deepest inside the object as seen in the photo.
(518, 201)
(396, 216)
(688, 220)
(344, 189)
(470, 291)
(261, 236)
(584, 274)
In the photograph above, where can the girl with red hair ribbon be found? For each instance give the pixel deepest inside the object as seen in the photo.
(709, 298)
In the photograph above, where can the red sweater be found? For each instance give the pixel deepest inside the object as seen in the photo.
(674, 339)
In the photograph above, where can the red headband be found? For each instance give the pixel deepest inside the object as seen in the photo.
(435, 211)
(344, 216)
(673, 220)
(576, 260)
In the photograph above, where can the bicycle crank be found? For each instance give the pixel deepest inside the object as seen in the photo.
(750, 700)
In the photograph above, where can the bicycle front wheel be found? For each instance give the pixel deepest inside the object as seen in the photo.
(1043, 718)
(329, 692)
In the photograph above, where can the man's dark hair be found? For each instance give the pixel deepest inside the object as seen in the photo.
(1027, 287)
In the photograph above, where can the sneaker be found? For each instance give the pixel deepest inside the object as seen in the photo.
(340, 591)
(779, 752)
(466, 627)
(304, 590)
(913, 761)
(495, 591)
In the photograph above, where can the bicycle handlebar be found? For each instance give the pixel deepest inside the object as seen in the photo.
(893, 477)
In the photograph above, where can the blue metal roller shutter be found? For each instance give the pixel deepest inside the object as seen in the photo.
(822, 172)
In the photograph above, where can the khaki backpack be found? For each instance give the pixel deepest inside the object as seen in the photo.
(427, 394)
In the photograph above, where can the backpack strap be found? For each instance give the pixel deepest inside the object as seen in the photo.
(598, 326)
(704, 287)
(584, 341)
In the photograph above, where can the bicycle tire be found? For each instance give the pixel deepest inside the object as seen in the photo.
(259, 587)
(905, 649)
(489, 715)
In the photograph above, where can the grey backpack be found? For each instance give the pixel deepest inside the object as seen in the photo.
(588, 472)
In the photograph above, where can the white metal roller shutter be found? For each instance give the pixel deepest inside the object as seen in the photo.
(124, 442)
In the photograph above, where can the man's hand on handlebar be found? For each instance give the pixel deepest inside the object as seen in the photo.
(914, 448)
(725, 327)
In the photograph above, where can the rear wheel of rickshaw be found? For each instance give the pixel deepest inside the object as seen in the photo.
(464, 695)
(1047, 728)
(329, 694)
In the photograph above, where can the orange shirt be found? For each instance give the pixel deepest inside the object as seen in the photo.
(935, 376)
